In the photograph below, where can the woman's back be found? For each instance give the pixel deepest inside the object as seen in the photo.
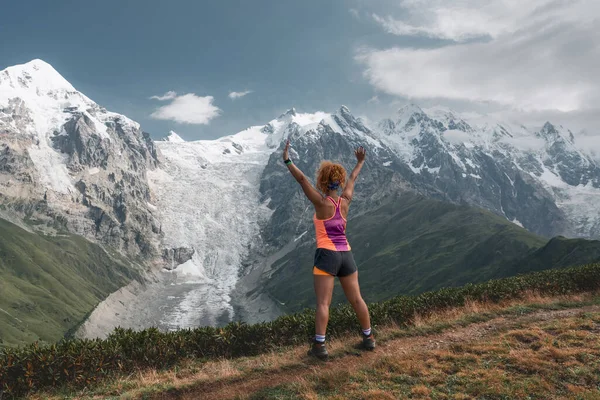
(331, 232)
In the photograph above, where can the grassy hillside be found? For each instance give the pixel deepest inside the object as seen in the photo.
(510, 350)
(411, 245)
(48, 284)
(559, 252)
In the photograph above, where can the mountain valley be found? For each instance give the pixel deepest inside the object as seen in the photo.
(224, 233)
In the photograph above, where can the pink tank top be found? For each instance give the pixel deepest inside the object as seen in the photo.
(331, 233)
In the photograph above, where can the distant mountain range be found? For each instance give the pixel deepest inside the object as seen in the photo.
(216, 210)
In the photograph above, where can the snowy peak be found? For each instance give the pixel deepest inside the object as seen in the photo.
(173, 138)
(288, 114)
(36, 75)
(280, 122)
(387, 126)
(450, 119)
(409, 115)
(295, 125)
(409, 110)
(413, 118)
(345, 111)
(549, 132)
(347, 121)
(35, 99)
(552, 133)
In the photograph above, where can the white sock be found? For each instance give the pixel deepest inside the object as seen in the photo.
(320, 338)
(367, 332)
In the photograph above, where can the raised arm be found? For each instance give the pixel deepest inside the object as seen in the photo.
(348, 192)
(313, 194)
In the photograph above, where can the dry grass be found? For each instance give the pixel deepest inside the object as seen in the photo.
(420, 391)
(543, 359)
(512, 357)
(479, 307)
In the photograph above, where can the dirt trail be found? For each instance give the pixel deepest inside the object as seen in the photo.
(345, 359)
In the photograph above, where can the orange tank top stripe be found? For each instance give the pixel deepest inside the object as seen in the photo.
(331, 233)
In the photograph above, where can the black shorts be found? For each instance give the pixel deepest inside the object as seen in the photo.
(336, 263)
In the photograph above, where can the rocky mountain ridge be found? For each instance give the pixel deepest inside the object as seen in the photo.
(538, 179)
(69, 164)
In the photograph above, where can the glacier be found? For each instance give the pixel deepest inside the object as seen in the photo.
(208, 199)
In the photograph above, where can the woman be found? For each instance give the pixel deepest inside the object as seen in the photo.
(333, 256)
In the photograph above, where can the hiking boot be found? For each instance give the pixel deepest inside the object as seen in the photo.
(318, 349)
(368, 342)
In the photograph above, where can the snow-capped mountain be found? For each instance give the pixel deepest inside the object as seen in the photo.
(71, 164)
(173, 137)
(537, 178)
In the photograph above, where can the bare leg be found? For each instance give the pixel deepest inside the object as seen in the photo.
(324, 291)
(352, 292)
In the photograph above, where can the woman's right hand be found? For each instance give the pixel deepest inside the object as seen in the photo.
(286, 150)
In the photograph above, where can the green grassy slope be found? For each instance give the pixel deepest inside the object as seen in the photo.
(411, 245)
(559, 252)
(48, 284)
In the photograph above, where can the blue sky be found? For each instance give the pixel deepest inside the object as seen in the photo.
(529, 61)
(120, 53)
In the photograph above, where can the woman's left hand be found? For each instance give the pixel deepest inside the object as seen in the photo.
(360, 154)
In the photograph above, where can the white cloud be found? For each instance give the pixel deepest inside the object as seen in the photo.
(462, 20)
(577, 121)
(188, 109)
(534, 55)
(170, 95)
(589, 144)
(374, 99)
(237, 95)
(354, 13)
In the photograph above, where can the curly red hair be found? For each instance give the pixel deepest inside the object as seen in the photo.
(330, 173)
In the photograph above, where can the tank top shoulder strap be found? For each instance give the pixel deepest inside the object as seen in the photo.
(337, 204)
(339, 207)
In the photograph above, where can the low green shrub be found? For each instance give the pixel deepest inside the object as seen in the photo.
(79, 363)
